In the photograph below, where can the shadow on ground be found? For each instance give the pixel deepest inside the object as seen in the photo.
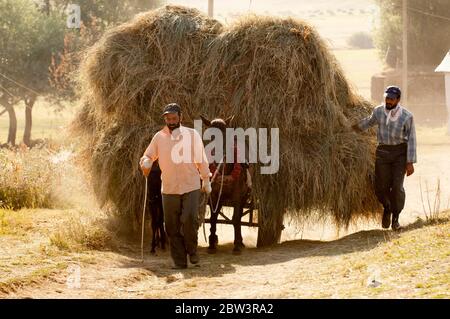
(223, 262)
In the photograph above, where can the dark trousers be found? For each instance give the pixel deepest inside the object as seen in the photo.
(390, 166)
(181, 219)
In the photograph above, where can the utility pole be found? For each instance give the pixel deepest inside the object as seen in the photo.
(211, 8)
(405, 53)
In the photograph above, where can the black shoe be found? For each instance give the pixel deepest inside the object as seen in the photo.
(395, 224)
(386, 219)
(179, 266)
(194, 259)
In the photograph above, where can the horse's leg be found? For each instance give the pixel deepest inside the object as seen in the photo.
(155, 216)
(237, 215)
(213, 239)
(154, 233)
(161, 227)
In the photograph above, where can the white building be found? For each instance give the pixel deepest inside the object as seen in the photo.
(444, 67)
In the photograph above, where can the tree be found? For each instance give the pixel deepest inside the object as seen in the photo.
(28, 38)
(105, 12)
(38, 53)
(96, 17)
(428, 32)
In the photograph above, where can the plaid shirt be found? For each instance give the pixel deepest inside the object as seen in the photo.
(400, 131)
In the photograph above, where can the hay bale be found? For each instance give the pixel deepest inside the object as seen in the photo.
(154, 59)
(269, 72)
(273, 72)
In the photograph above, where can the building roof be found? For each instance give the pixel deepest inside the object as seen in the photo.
(445, 64)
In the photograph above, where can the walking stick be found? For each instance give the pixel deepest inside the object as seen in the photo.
(143, 220)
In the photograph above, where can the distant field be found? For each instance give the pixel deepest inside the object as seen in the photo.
(47, 123)
(359, 66)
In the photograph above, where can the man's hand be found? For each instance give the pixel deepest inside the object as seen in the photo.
(206, 186)
(146, 165)
(409, 169)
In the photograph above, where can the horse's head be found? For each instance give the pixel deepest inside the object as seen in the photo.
(219, 123)
(222, 125)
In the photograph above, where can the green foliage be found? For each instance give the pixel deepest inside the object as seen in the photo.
(28, 38)
(108, 12)
(96, 17)
(428, 31)
(34, 38)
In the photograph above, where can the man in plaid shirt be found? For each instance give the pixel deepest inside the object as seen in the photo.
(395, 154)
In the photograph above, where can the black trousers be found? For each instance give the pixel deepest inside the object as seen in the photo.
(390, 167)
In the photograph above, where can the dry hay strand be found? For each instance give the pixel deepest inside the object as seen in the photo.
(140, 66)
(271, 72)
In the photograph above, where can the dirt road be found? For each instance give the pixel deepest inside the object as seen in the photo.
(314, 263)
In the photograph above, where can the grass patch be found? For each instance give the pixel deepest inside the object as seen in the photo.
(41, 178)
(412, 265)
(34, 278)
(26, 179)
(83, 233)
(13, 223)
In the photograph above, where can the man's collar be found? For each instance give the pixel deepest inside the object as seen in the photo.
(394, 108)
(166, 128)
(175, 133)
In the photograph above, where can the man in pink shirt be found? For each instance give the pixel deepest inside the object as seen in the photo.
(182, 159)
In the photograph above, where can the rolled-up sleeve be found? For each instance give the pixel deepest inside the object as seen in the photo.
(410, 132)
(367, 122)
(200, 160)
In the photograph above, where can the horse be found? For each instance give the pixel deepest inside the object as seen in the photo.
(230, 185)
(154, 204)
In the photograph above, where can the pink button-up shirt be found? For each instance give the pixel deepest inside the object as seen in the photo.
(182, 159)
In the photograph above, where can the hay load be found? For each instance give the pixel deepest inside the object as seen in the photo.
(269, 72)
(125, 81)
(273, 72)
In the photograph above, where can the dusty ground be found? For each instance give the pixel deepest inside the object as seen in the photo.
(414, 263)
(313, 261)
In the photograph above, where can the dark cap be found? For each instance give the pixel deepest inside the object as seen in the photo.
(172, 108)
(393, 92)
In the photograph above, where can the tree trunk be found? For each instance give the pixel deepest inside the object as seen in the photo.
(29, 103)
(12, 121)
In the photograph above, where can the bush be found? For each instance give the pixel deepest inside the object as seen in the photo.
(361, 40)
(24, 179)
(36, 178)
(83, 233)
